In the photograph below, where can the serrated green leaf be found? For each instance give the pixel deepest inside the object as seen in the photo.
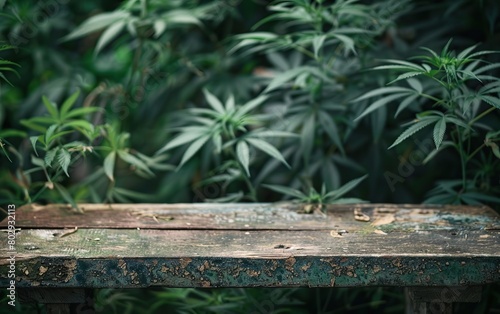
(457, 122)
(405, 76)
(64, 159)
(487, 68)
(243, 153)
(83, 124)
(307, 137)
(57, 135)
(318, 44)
(11, 133)
(384, 90)
(134, 161)
(50, 155)
(249, 106)
(51, 108)
(80, 112)
(286, 191)
(48, 134)
(489, 88)
(492, 134)
(347, 41)
(68, 103)
(330, 128)
(439, 131)
(494, 101)
(182, 139)
(217, 140)
(230, 103)
(406, 63)
(465, 52)
(480, 53)
(336, 194)
(415, 84)
(379, 103)
(419, 125)
(37, 162)
(282, 78)
(481, 197)
(181, 17)
(405, 103)
(271, 133)
(33, 140)
(34, 123)
(96, 23)
(214, 102)
(109, 34)
(159, 27)
(2, 76)
(75, 144)
(109, 165)
(193, 149)
(394, 67)
(268, 149)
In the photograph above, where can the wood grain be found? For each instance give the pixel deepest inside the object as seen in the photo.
(244, 245)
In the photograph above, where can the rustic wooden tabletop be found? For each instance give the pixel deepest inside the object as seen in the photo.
(244, 245)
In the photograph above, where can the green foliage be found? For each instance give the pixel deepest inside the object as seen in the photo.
(141, 19)
(183, 101)
(67, 135)
(453, 90)
(6, 65)
(227, 129)
(324, 197)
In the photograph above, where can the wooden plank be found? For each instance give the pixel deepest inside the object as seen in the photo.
(129, 258)
(241, 245)
(97, 243)
(280, 216)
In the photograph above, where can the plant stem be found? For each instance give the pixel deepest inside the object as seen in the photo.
(251, 189)
(475, 152)
(437, 100)
(484, 113)
(463, 158)
(253, 193)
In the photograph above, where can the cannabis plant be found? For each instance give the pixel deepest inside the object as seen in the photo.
(454, 95)
(228, 131)
(315, 53)
(66, 136)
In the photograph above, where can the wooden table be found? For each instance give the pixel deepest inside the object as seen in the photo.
(443, 254)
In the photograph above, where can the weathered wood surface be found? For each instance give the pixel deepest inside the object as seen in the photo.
(253, 216)
(238, 245)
